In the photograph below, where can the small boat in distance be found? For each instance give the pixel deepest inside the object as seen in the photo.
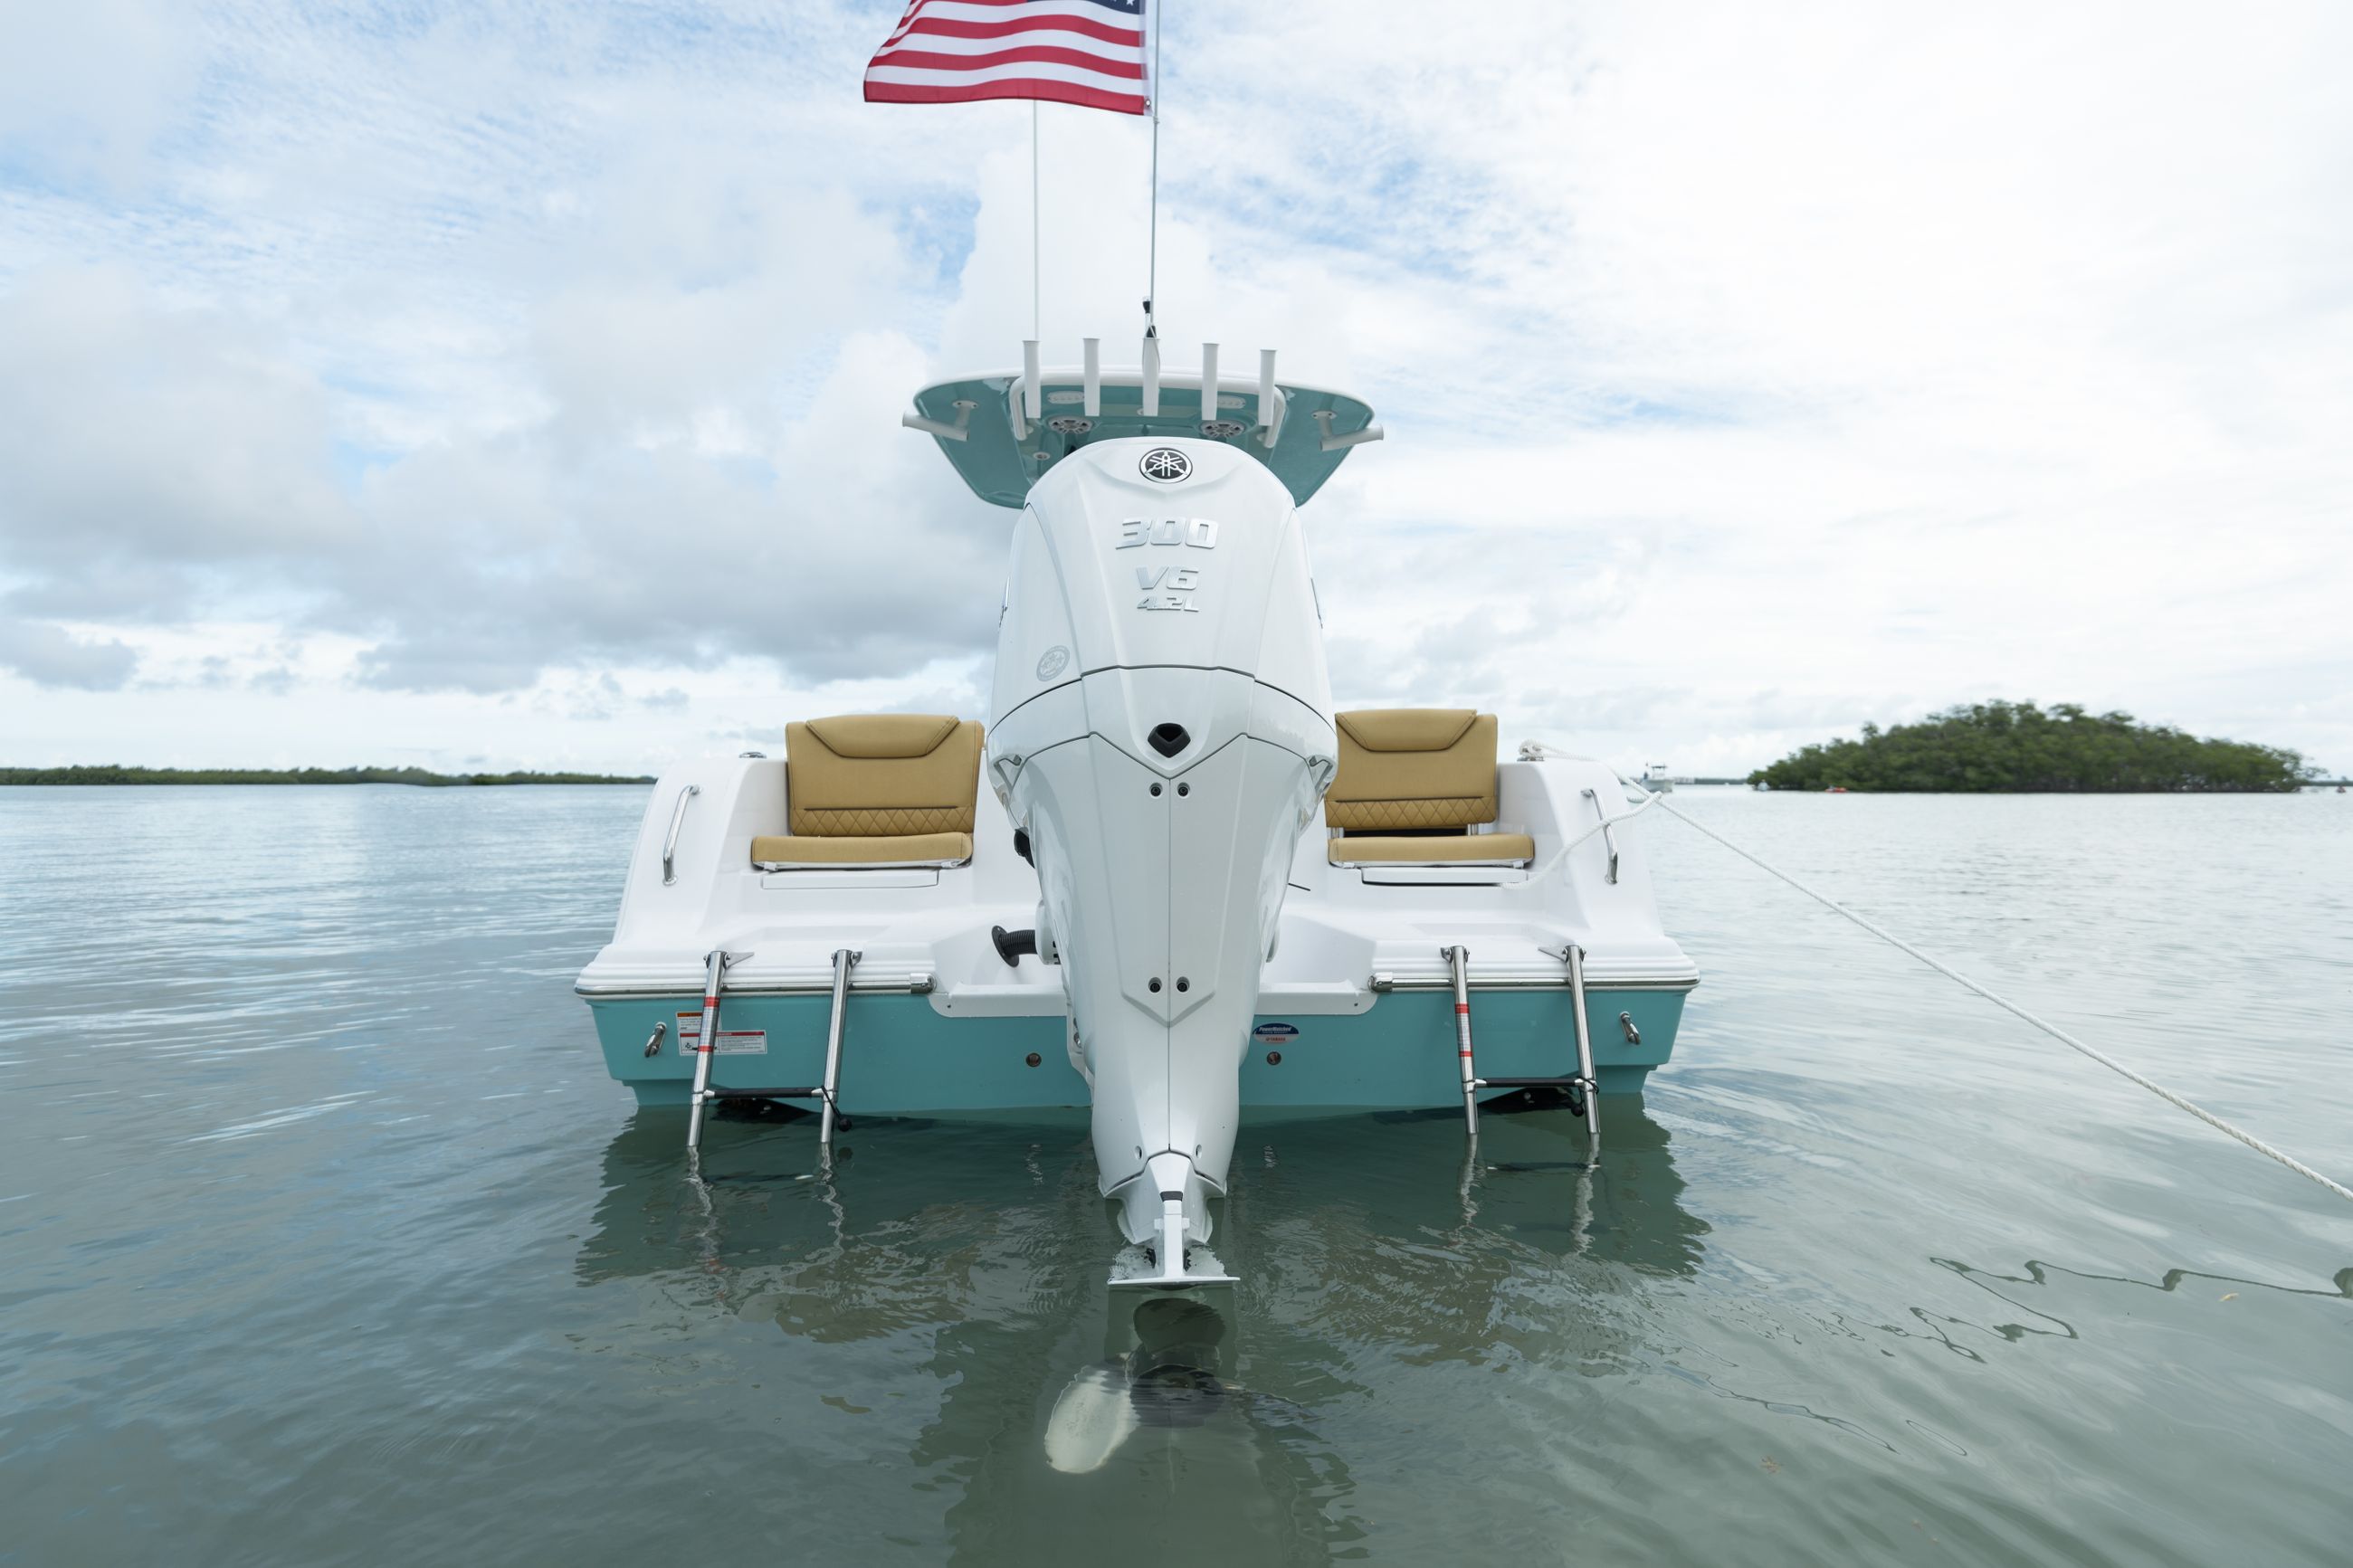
(1198, 893)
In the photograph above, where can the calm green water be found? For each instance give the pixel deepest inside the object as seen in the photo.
(324, 1238)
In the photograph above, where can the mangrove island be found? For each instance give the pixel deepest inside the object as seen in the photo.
(2017, 747)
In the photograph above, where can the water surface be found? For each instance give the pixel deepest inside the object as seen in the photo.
(324, 1238)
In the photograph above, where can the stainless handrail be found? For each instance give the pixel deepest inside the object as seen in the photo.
(1609, 839)
(677, 815)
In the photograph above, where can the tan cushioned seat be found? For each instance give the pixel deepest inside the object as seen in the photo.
(876, 789)
(1442, 848)
(872, 774)
(845, 849)
(1413, 768)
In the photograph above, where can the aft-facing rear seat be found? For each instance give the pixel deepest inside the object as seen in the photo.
(1411, 786)
(876, 789)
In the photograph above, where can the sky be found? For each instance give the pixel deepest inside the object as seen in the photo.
(517, 384)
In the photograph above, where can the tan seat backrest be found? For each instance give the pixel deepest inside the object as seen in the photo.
(869, 774)
(1413, 767)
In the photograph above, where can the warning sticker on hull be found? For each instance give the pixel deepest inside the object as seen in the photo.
(732, 1042)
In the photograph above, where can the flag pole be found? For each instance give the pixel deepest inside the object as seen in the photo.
(1152, 265)
(1034, 250)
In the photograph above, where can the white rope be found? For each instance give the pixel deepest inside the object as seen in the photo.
(1564, 852)
(2004, 1003)
(1651, 801)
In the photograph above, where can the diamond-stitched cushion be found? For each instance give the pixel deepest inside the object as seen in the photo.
(1390, 815)
(884, 821)
(1412, 768)
(881, 774)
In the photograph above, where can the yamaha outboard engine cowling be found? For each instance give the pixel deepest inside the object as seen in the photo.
(1161, 731)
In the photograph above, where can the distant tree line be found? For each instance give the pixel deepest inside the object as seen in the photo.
(113, 773)
(2018, 747)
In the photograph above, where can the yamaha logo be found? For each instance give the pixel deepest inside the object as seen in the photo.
(1167, 465)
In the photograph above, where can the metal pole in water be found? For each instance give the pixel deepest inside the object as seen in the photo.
(1584, 1055)
(706, 1041)
(842, 959)
(1459, 958)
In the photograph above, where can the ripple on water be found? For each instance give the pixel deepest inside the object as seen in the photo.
(327, 1240)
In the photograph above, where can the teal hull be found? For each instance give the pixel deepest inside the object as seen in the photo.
(899, 1056)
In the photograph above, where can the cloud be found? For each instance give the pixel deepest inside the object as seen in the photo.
(85, 89)
(1747, 375)
(141, 445)
(46, 655)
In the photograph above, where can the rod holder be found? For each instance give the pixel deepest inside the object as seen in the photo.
(1208, 383)
(1270, 401)
(959, 431)
(1033, 388)
(1331, 443)
(1092, 408)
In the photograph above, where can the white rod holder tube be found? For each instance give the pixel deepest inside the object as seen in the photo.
(1269, 399)
(1094, 406)
(1209, 382)
(959, 431)
(1331, 443)
(1033, 389)
(1151, 409)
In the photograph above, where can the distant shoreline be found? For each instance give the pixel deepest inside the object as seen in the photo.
(420, 778)
(2018, 748)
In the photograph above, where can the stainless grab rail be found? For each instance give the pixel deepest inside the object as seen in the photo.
(677, 815)
(1609, 839)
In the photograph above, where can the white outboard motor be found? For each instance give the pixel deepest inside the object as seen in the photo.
(1162, 731)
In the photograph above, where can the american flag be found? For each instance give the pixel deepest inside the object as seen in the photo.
(1088, 52)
